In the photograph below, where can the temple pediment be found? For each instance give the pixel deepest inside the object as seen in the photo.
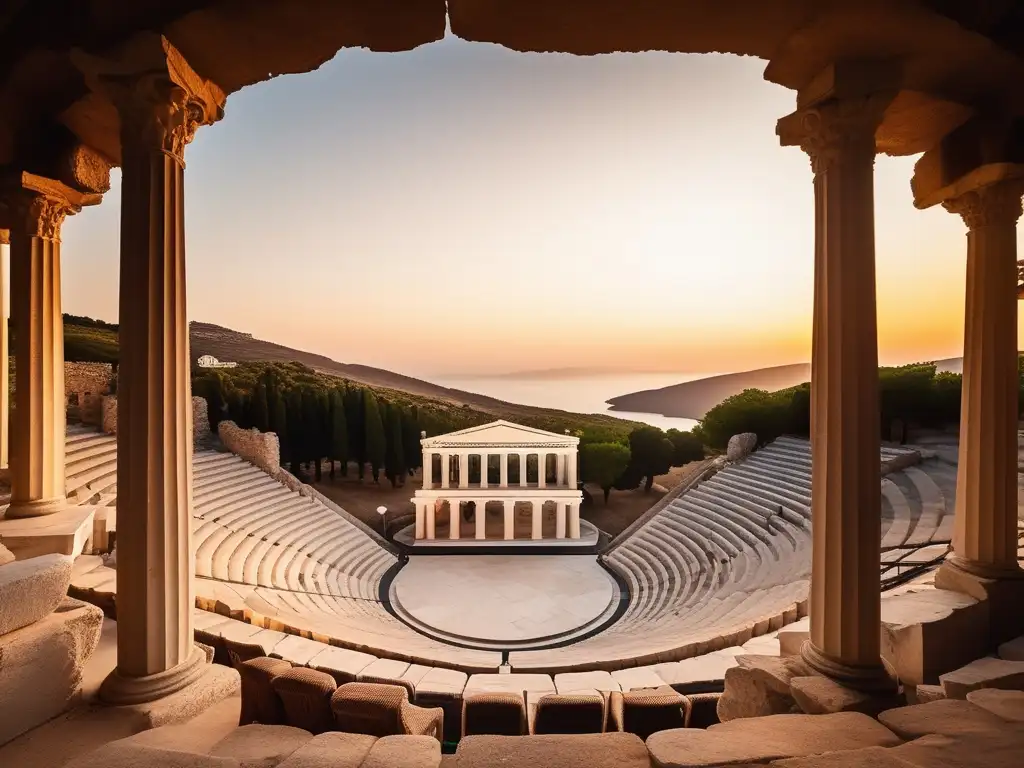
(500, 433)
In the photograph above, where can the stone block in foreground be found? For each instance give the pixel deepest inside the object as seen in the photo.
(987, 672)
(41, 665)
(759, 740)
(593, 750)
(949, 717)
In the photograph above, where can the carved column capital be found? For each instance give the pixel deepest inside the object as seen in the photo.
(160, 114)
(40, 215)
(994, 204)
(161, 100)
(835, 129)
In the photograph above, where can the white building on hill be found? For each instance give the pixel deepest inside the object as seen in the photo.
(528, 474)
(209, 361)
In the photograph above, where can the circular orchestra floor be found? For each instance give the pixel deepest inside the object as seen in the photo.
(504, 601)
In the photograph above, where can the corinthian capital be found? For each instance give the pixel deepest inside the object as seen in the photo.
(36, 206)
(160, 99)
(835, 129)
(994, 204)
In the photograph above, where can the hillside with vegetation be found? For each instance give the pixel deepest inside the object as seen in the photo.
(915, 396)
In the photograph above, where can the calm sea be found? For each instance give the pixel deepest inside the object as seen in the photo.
(582, 394)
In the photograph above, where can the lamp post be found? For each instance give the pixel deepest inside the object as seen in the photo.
(383, 512)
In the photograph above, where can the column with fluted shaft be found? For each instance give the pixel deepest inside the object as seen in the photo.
(839, 137)
(36, 447)
(161, 102)
(5, 405)
(985, 533)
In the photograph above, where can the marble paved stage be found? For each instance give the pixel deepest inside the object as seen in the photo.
(499, 601)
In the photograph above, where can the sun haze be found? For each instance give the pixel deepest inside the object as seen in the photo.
(463, 208)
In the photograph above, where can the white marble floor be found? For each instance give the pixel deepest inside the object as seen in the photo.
(504, 597)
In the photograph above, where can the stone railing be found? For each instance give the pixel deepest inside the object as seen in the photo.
(200, 422)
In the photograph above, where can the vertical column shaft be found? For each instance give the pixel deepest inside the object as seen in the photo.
(428, 469)
(463, 470)
(481, 519)
(570, 469)
(37, 438)
(483, 470)
(559, 519)
(510, 522)
(421, 520)
(845, 500)
(522, 470)
(542, 470)
(446, 470)
(431, 512)
(985, 534)
(574, 520)
(159, 114)
(560, 476)
(537, 519)
(503, 480)
(4, 353)
(454, 518)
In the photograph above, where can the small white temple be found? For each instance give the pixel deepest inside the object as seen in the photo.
(485, 479)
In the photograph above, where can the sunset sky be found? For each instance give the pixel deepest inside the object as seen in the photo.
(462, 208)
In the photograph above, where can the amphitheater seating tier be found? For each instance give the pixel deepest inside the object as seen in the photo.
(723, 562)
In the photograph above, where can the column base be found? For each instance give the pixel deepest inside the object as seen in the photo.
(869, 679)
(38, 508)
(1001, 588)
(121, 690)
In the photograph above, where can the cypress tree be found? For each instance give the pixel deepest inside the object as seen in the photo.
(355, 413)
(295, 429)
(339, 432)
(260, 408)
(312, 428)
(280, 425)
(376, 442)
(395, 439)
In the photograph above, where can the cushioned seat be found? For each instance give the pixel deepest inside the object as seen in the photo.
(495, 714)
(260, 703)
(645, 712)
(568, 713)
(305, 695)
(383, 710)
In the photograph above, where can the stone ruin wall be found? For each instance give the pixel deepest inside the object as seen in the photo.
(200, 422)
(260, 448)
(86, 384)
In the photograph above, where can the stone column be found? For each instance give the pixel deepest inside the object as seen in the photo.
(454, 518)
(985, 534)
(542, 470)
(446, 470)
(421, 520)
(522, 470)
(845, 501)
(510, 520)
(431, 530)
(161, 102)
(560, 476)
(463, 470)
(503, 480)
(570, 469)
(481, 519)
(559, 519)
(5, 405)
(537, 519)
(574, 520)
(483, 470)
(428, 469)
(38, 208)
